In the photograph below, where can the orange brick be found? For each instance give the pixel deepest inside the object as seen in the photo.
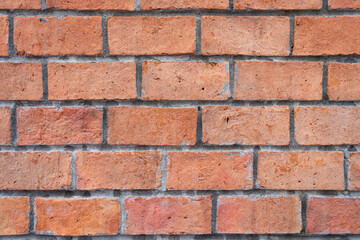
(245, 215)
(92, 81)
(326, 215)
(75, 217)
(168, 215)
(349, 4)
(35, 171)
(354, 175)
(123, 170)
(185, 81)
(92, 4)
(278, 80)
(14, 215)
(344, 81)
(225, 125)
(210, 170)
(151, 35)
(301, 170)
(152, 126)
(5, 125)
(277, 4)
(42, 126)
(21, 4)
(37, 36)
(21, 81)
(245, 35)
(327, 125)
(320, 36)
(4, 35)
(184, 4)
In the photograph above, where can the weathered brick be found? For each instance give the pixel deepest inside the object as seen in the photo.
(14, 215)
(21, 81)
(184, 4)
(35, 170)
(278, 80)
(185, 81)
(344, 81)
(4, 36)
(152, 126)
(301, 170)
(246, 215)
(277, 4)
(75, 217)
(42, 126)
(37, 36)
(354, 171)
(21, 4)
(343, 4)
(92, 4)
(327, 125)
(120, 170)
(320, 36)
(152, 35)
(5, 126)
(168, 215)
(92, 81)
(245, 35)
(209, 170)
(327, 215)
(225, 125)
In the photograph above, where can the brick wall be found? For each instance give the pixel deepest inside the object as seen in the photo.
(202, 119)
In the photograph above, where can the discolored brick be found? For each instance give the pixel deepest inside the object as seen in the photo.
(354, 171)
(5, 126)
(277, 4)
(184, 4)
(4, 35)
(92, 4)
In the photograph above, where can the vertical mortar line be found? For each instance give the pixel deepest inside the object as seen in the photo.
(346, 169)
(199, 128)
(138, 5)
(123, 214)
(292, 126)
(105, 126)
(304, 203)
(231, 5)
(139, 70)
(325, 5)
(32, 216)
(11, 43)
(255, 166)
(214, 207)
(43, 5)
(104, 24)
(198, 35)
(292, 34)
(163, 179)
(233, 75)
(45, 80)
(73, 171)
(325, 95)
(13, 124)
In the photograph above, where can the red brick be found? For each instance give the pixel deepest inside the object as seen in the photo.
(42, 126)
(4, 36)
(354, 171)
(92, 81)
(245, 35)
(277, 4)
(35, 170)
(184, 4)
(168, 215)
(320, 36)
(21, 81)
(152, 35)
(225, 125)
(278, 80)
(5, 126)
(301, 170)
(350, 4)
(14, 215)
(210, 170)
(327, 125)
(185, 81)
(152, 126)
(344, 81)
(37, 36)
(20, 4)
(92, 4)
(120, 170)
(245, 215)
(326, 215)
(75, 217)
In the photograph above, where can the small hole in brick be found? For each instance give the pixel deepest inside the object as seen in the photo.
(227, 119)
(203, 89)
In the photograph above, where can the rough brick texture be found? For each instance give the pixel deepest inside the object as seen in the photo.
(14, 215)
(121, 170)
(4, 35)
(301, 170)
(185, 81)
(20, 4)
(92, 4)
(37, 36)
(277, 4)
(168, 215)
(5, 124)
(354, 176)
(92, 81)
(246, 215)
(184, 4)
(343, 4)
(333, 215)
(77, 217)
(210, 170)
